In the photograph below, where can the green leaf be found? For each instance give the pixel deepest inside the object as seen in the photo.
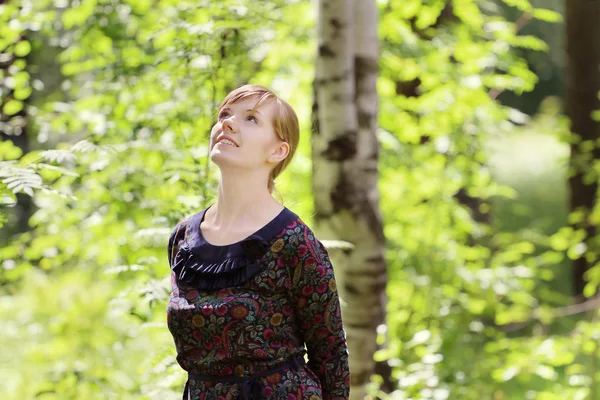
(547, 396)
(522, 5)
(104, 45)
(22, 48)
(12, 107)
(22, 93)
(576, 250)
(476, 306)
(563, 358)
(78, 15)
(547, 15)
(589, 346)
(427, 16)
(164, 38)
(561, 240)
(513, 314)
(8, 151)
(22, 79)
(529, 42)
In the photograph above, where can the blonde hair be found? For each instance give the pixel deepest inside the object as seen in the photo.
(285, 121)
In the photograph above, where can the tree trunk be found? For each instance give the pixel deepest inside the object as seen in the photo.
(345, 154)
(583, 86)
(14, 128)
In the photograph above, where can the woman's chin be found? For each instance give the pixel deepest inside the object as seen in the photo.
(220, 158)
(218, 151)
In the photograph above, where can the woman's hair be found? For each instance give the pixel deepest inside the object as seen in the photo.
(285, 121)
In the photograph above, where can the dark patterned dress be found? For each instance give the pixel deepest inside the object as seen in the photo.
(241, 314)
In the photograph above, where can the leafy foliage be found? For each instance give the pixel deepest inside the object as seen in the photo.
(474, 309)
(145, 79)
(469, 302)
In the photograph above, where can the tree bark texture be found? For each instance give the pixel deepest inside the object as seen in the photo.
(345, 156)
(583, 86)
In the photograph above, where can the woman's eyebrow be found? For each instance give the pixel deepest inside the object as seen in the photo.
(228, 109)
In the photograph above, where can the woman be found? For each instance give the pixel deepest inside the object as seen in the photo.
(251, 282)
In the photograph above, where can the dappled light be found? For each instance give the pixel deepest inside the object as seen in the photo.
(447, 160)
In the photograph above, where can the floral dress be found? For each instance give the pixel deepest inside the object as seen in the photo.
(241, 314)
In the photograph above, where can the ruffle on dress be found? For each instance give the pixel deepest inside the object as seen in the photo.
(192, 270)
(201, 265)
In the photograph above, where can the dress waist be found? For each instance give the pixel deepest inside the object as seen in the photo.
(251, 388)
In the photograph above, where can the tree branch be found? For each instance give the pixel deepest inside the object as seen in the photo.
(574, 309)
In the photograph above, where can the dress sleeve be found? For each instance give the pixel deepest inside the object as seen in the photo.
(320, 318)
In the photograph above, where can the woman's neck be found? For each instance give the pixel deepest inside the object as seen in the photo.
(242, 202)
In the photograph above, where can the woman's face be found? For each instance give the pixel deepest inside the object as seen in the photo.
(256, 143)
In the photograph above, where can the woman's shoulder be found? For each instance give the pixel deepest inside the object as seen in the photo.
(290, 222)
(299, 232)
(179, 230)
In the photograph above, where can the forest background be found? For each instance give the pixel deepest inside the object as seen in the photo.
(105, 112)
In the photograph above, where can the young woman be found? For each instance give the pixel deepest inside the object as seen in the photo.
(252, 285)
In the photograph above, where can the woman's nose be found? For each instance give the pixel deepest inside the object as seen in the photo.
(229, 124)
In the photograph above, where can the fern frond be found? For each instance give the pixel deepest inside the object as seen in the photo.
(63, 171)
(58, 156)
(85, 146)
(26, 179)
(46, 189)
(19, 179)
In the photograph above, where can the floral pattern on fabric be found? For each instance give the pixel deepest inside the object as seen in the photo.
(288, 308)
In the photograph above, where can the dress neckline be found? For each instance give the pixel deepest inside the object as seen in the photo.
(266, 231)
(203, 265)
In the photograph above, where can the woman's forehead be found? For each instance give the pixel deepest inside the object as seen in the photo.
(249, 103)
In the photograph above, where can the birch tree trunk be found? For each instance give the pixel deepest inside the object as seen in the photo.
(345, 154)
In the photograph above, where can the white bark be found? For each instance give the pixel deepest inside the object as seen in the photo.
(334, 77)
(345, 171)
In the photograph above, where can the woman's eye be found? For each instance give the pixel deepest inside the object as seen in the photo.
(255, 120)
(222, 115)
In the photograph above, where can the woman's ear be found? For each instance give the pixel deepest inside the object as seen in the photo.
(280, 153)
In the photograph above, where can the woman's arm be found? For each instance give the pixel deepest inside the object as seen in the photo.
(320, 317)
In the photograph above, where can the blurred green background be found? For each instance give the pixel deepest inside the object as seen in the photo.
(107, 107)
